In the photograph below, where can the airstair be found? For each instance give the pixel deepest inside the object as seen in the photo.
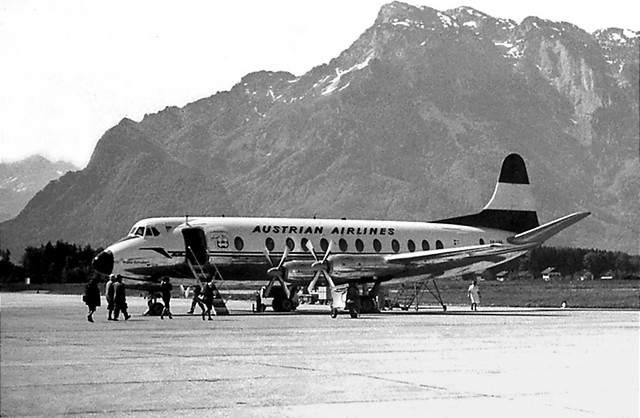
(219, 304)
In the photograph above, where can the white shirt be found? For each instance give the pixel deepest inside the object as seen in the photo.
(474, 293)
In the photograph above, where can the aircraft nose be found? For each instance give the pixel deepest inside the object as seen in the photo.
(103, 262)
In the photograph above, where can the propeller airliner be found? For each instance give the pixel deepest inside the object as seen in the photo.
(354, 257)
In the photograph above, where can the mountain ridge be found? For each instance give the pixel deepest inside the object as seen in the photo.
(21, 180)
(410, 122)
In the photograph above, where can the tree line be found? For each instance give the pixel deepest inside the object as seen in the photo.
(570, 262)
(50, 263)
(69, 263)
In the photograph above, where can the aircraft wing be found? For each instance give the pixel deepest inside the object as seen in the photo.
(423, 258)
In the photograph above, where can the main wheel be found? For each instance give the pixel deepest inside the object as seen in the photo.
(334, 313)
(368, 306)
(278, 294)
(286, 305)
(276, 304)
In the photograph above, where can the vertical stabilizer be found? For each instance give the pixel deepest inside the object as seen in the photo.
(511, 208)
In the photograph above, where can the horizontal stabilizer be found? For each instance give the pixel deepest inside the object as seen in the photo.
(546, 231)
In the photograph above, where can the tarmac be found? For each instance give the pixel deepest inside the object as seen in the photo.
(498, 362)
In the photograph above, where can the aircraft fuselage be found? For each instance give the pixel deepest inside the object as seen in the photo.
(236, 246)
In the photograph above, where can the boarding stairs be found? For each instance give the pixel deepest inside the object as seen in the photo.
(219, 304)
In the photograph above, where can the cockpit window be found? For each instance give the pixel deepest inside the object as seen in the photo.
(151, 231)
(140, 231)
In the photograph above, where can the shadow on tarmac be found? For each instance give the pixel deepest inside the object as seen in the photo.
(529, 312)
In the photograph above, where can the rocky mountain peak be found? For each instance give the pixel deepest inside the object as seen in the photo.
(410, 122)
(402, 14)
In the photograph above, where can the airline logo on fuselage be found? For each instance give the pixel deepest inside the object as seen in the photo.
(319, 230)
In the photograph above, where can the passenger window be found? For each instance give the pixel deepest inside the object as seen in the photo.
(238, 243)
(411, 245)
(481, 241)
(376, 245)
(343, 245)
(303, 244)
(359, 245)
(425, 245)
(395, 245)
(439, 245)
(324, 244)
(291, 244)
(269, 244)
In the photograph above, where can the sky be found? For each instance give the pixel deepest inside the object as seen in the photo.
(72, 69)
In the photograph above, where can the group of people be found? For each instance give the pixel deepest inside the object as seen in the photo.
(117, 299)
(204, 299)
(114, 293)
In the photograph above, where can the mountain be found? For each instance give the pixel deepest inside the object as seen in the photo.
(21, 180)
(410, 122)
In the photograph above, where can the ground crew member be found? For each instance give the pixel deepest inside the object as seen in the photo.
(109, 296)
(119, 299)
(207, 298)
(165, 289)
(474, 294)
(92, 297)
(197, 292)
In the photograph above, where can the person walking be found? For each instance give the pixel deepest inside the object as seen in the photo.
(119, 299)
(474, 295)
(92, 297)
(197, 294)
(165, 289)
(207, 298)
(109, 295)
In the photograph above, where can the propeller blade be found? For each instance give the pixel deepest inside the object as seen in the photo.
(312, 285)
(329, 249)
(332, 285)
(323, 265)
(285, 254)
(268, 255)
(311, 250)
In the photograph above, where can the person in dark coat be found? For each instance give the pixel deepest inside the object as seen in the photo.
(197, 294)
(165, 289)
(108, 294)
(92, 297)
(120, 299)
(207, 298)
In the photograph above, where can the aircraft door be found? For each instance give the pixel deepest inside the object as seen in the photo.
(195, 243)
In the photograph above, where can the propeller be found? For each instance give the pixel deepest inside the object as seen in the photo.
(276, 270)
(321, 267)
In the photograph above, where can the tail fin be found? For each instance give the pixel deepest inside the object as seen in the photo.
(511, 207)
